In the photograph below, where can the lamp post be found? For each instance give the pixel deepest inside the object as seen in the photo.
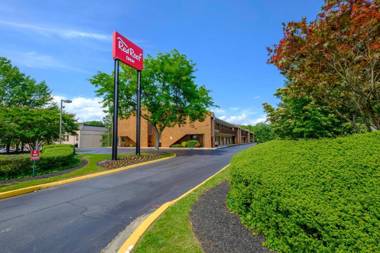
(67, 101)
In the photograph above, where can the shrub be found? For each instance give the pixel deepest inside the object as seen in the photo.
(311, 196)
(192, 144)
(187, 144)
(53, 157)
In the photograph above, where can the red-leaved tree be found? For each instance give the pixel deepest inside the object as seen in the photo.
(335, 60)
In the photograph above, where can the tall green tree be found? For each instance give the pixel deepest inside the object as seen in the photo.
(107, 136)
(170, 95)
(333, 62)
(27, 113)
(33, 126)
(299, 117)
(17, 89)
(263, 132)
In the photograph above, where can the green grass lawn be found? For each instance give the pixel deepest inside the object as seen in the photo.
(14, 156)
(172, 231)
(91, 167)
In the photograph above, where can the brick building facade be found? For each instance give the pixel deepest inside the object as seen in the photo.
(212, 132)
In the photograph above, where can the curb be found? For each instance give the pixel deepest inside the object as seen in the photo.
(128, 245)
(13, 193)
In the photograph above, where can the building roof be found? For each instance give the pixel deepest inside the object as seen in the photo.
(83, 127)
(220, 121)
(231, 125)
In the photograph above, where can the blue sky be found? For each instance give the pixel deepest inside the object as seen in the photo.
(65, 42)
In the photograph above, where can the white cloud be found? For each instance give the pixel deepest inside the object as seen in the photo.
(261, 119)
(40, 61)
(57, 31)
(218, 110)
(240, 116)
(85, 109)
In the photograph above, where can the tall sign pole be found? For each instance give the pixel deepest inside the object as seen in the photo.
(115, 110)
(138, 113)
(130, 54)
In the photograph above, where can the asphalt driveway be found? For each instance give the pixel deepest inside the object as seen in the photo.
(85, 216)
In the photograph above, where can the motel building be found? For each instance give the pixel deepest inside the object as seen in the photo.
(210, 133)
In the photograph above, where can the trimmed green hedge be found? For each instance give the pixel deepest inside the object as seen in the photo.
(187, 144)
(53, 158)
(311, 196)
(192, 144)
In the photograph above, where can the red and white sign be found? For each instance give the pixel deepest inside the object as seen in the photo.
(35, 155)
(127, 52)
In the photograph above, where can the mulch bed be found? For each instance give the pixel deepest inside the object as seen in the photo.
(129, 160)
(218, 230)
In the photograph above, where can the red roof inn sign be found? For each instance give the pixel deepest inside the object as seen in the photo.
(127, 52)
(130, 54)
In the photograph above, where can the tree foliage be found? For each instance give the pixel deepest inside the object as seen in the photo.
(95, 123)
(302, 117)
(27, 113)
(333, 70)
(17, 89)
(33, 126)
(170, 95)
(263, 132)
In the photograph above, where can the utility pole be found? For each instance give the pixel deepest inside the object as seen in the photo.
(67, 101)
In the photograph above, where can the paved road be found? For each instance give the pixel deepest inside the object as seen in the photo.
(85, 216)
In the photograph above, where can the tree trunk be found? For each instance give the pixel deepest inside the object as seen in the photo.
(17, 148)
(158, 138)
(353, 123)
(8, 148)
(368, 125)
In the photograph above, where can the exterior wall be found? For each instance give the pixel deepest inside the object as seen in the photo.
(172, 134)
(238, 136)
(70, 139)
(90, 139)
(127, 128)
(86, 137)
(246, 136)
(214, 132)
(226, 133)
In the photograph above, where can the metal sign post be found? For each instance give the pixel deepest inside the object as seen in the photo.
(34, 168)
(34, 156)
(115, 110)
(138, 113)
(129, 53)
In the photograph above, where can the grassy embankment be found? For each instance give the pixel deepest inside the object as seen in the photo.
(304, 196)
(89, 168)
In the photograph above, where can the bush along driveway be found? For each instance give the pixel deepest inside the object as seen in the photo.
(95, 163)
(311, 196)
(302, 196)
(53, 158)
